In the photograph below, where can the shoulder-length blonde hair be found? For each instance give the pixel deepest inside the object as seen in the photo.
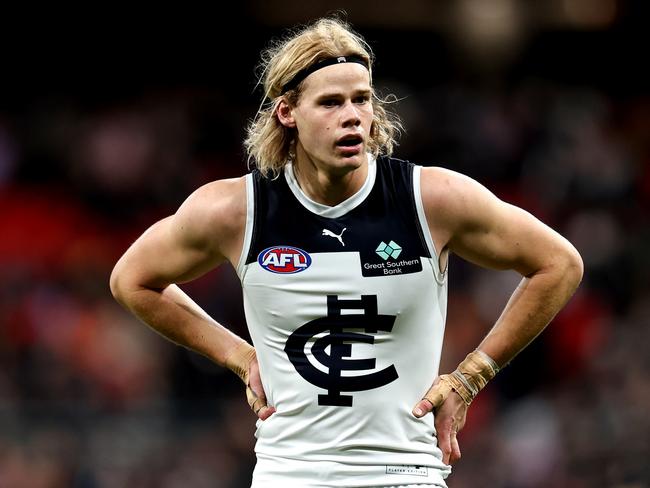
(268, 142)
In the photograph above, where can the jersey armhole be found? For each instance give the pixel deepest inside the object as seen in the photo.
(250, 225)
(441, 276)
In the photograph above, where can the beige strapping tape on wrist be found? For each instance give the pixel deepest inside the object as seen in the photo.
(240, 359)
(470, 377)
(239, 363)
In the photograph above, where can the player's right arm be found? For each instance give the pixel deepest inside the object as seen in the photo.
(205, 231)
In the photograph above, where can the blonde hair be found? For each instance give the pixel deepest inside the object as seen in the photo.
(268, 142)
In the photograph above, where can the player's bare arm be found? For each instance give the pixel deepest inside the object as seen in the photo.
(468, 220)
(206, 231)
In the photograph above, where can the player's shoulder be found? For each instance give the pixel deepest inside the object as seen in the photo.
(452, 197)
(215, 209)
(438, 175)
(444, 184)
(438, 184)
(220, 194)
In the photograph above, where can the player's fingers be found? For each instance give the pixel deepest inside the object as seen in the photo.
(455, 447)
(438, 392)
(258, 404)
(255, 401)
(422, 408)
(444, 442)
(254, 380)
(265, 412)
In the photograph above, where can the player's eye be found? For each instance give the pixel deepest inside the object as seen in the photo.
(329, 102)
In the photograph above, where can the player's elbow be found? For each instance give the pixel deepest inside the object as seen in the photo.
(572, 266)
(114, 283)
(118, 283)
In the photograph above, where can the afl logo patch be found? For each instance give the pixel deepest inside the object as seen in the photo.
(284, 259)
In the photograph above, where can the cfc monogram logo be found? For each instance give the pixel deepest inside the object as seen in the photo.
(332, 332)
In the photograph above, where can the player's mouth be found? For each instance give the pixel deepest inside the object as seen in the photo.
(350, 144)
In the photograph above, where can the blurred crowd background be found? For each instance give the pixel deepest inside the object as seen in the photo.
(107, 123)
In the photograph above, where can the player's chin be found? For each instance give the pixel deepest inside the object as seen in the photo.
(350, 151)
(351, 156)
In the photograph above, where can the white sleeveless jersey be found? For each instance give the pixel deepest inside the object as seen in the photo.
(346, 308)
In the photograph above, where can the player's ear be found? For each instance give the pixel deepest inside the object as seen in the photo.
(285, 114)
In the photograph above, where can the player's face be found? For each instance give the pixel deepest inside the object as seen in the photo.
(333, 117)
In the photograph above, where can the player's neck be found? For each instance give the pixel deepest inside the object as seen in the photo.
(329, 186)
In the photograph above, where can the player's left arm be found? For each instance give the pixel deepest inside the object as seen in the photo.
(468, 220)
(484, 230)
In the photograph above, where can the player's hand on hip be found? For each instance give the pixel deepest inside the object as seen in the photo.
(255, 393)
(450, 412)
(242, 360)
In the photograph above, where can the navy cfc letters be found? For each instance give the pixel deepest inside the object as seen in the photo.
(338, 339)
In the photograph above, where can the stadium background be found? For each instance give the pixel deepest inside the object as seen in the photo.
(109, 119)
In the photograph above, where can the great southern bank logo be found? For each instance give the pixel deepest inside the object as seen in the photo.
(284, 259)
(388, 262)
(390, 250)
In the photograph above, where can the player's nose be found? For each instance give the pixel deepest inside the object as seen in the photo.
(350, 115)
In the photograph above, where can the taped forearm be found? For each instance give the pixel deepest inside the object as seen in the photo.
(469, 378)
(239, 361)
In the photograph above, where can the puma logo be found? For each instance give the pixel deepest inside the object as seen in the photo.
(327, 232)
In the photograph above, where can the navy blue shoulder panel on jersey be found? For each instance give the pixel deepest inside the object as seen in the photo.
(388, 214)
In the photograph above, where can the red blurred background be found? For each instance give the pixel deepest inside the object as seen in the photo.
(108, 120)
